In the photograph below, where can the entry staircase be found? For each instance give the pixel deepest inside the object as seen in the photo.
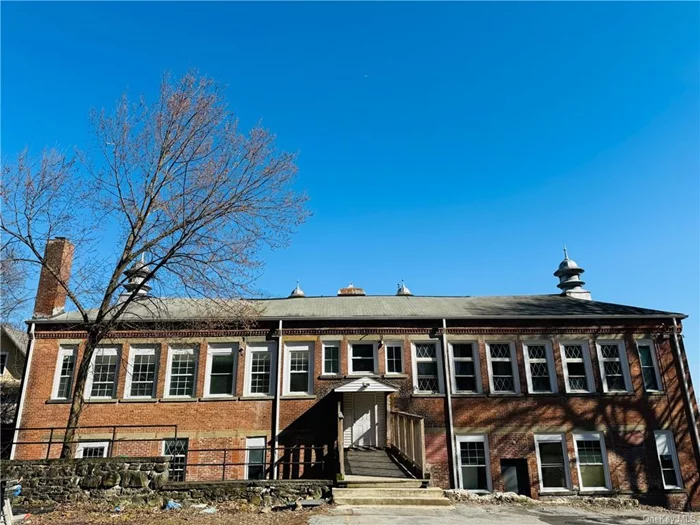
(373, 477)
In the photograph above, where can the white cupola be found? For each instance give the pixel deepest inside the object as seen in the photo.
(570, 282)
(297, 292)
(403, 289)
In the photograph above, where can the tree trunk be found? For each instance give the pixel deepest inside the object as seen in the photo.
(78, 401)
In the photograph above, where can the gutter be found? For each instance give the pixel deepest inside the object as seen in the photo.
(278, 386)
(684, 386)
(452, 449)
(23, 391)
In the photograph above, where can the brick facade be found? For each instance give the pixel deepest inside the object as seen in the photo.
(510, 422)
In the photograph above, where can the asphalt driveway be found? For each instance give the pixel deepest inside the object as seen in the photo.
(462, 514)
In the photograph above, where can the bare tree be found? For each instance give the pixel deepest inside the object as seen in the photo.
(173, 184)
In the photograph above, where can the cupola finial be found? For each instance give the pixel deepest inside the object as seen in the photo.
(297, 292)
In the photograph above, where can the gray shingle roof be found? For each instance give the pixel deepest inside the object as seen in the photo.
(384, 307)
(18, 337)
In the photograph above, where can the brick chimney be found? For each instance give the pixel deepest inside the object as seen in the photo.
(50, 296)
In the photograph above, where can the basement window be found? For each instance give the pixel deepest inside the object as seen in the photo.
(102, 377)
(474, 471)
(668, 460)
(592, 461)
(91, 449)
(614, 369)
(65, 370)
(255, 457)
(552, 462)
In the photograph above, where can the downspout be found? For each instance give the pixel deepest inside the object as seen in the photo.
(275, 439)
(448, 390)
(684, 387)
(23, 391)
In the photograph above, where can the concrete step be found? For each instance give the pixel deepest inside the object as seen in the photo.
(432, 492)
(398, 483)
(379, 501)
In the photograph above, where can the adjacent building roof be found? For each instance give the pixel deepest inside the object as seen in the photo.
(18, 338)
(379, 307)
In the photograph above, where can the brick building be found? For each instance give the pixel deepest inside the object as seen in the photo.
(543, 395)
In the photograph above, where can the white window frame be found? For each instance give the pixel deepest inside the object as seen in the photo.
(622, 358)
(414, 367)
(103, 350)
(3, 362)
(325, 345)
(81, 445)
(251, 348)
(549, 357)
(351, 345)
(135, 350)
(214, 349)
(254, 443)
(399, 344)
(479, 438)
(586, 359)
(550, 438)
(475, 360)
(513, 363)
(667, 436)
(298, 346)
(592, 436)
(62, 351)
(181, 350)
(655, 362)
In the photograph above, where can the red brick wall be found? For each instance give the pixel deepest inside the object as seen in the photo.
(628, 420)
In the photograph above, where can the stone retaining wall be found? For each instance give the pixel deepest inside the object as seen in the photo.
(143, 481)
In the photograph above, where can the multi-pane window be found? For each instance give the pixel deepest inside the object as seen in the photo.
(502, 367)
(426, 368)
(92, 449)
(331, 358)
(465, 367)
(394, 358)
(613, 366)
(539, 367)
(255, 457)
(182, 372)
(668, 459)
(221, 369)
(141, 375)
(3, 362)
(592, 465)
(650, 370)
(103, 373)
(552, 461)
(362, 358)
(576, 361)
(299, 366)
(259, 369)
(65, 369)
(474, 463)
(177, 450)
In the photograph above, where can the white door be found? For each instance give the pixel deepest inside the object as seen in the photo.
(364, 428)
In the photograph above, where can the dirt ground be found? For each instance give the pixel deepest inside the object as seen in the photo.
(229, 514)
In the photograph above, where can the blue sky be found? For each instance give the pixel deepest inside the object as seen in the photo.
(456, 146)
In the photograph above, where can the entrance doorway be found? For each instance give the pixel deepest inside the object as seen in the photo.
(364, 421)
(515, 477)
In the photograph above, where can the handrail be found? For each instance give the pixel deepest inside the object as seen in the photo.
(408, 438)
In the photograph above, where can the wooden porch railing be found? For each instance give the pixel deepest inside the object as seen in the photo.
(408, 437)
(341, 445)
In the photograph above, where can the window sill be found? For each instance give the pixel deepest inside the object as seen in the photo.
(674, 490)
(544, 394)
(330, 376)
(101, 400)
(596, 492)
(138, 400)
(655, 393)
(218, 398)
(581, 394)
(298, 396)
(395, 376)
(617, 394)
(179, 400)
(256, 398)
(418, 394)
(556, 492)
(58, 401)
(356, 375)
(468, 394)
(504, 394)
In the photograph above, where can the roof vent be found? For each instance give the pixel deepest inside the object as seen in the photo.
(403, 289)
(351, 290)
(570, 282)
(297, 292)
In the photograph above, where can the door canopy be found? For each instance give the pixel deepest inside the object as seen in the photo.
(366, 384)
